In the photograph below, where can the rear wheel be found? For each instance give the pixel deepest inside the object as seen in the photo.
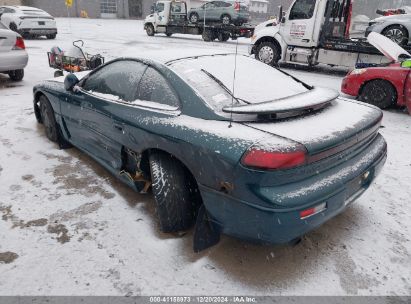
(397, 33)
(16, 75)
(379, 93)
(51, 36)
(223, 37)
(48, 119)
(208, 35)
(169, 34)
(173, 192)
(193, 18)
(226, 19)
(150, 30)
(268, 52)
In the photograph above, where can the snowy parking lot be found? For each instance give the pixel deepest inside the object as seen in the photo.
(67, 227)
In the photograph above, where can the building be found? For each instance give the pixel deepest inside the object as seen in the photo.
(94, 8)
(10, 2)
(258, 6)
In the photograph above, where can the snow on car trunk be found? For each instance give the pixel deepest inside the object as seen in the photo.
(344, 122)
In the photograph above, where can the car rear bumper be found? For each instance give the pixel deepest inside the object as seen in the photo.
(39, 31)
(13, 60)
(337, 189)
(351, 86)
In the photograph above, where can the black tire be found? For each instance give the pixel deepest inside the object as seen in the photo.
(194, 18)
(397, 33)
(268, 52)
(48, 119)
(176, 207)
(222, 37)
(169, 34)
(13, 27)
(380, 93)
(51, 36)
(58, 73)
(150, 30)
(226, 19)
(208, 35)
(16, 75)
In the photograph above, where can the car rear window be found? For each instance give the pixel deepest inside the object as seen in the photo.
(255, 82)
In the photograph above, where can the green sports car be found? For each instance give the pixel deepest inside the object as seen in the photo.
(257, 155)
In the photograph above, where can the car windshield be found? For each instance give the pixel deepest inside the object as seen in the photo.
(255, 82)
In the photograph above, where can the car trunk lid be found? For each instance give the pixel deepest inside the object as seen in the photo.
(328, 131)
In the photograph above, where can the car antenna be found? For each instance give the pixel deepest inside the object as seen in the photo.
(233, 94)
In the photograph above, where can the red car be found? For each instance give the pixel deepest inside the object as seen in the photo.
(384, 85)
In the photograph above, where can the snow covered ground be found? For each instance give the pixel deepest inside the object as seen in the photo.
(67, 227)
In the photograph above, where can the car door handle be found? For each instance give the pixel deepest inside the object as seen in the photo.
(118, 127)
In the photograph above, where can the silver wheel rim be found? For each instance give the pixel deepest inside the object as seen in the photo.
(266, 54)
(149, 30)
(193, 18)
(395, 35)
(226, 20)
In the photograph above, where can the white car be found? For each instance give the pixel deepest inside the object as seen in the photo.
(13, 56)
(28, 21)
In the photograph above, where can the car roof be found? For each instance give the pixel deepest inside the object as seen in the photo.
(22, 8)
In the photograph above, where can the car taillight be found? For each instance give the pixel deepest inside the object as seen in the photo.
(237, 6)
(271, 160)
(19, 44)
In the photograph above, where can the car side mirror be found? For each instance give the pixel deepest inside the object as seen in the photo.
(70, 81)
(152, 9)
(283, 19)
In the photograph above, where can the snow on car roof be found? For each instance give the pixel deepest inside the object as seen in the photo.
(255, 82)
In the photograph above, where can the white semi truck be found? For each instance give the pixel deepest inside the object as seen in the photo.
(170, 17)
(314, 32)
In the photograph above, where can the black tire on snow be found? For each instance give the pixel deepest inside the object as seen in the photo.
(268, 52)
(48, 119)
(208, 35)
(397, 33)
(150, 30)
(380, 93)
(222, 37)
(16, 75)
(175, 195)
(51, 36)
(169, 34)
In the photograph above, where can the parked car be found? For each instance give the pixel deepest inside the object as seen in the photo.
(260, 165)
(395, 27)
(227, 12)
(385, 85)
(28, 21)
(13, 56)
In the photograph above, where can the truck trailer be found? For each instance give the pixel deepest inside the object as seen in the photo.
(171, 17)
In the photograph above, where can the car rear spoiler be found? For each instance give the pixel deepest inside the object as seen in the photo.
(314, 99)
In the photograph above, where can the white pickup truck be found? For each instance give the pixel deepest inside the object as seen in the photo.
(314, 32)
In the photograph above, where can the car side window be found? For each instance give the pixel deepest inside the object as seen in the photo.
(155, 88)
(302, 9)
(118, 80)
(160, 7)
